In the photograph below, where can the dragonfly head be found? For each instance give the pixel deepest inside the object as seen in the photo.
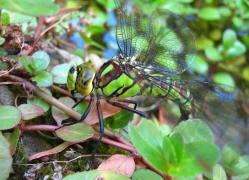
(80, 79)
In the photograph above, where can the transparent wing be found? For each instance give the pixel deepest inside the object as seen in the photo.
(160, 42)
(221, 110)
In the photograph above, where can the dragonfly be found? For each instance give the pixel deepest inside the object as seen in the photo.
(154, 50)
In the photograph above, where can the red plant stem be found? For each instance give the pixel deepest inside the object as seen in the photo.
(38, 128)
(117, 144)
(38, 29)
(62, 91)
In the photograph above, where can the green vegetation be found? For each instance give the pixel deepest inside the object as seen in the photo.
(37, 49)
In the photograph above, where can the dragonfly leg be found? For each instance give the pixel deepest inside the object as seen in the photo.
(83, 117)
(77, 103)
(127, 108)
(128, 101)
(184, 114)
(101, 125)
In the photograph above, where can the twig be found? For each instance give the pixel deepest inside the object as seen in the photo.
(38, 29)
(62, 11)
(62, 91)
(50, 27)
(50, 162)
(50, 99)
(7, 72)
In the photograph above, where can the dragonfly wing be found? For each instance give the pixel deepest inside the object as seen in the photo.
(221, 110)
(160, 42)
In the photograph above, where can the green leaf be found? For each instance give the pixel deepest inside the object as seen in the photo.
(203, 42)
(245, 73)
(19, 18)
(6, 159)
(33, 8)
(75, 133)
(225, 11)
(215, 34)
(205, 153)
(3, 52)
(230, 155)
(168, 152)
(94, 29)
(109, 4)
(242, 167)
(200, 65)
(178, 144)
(9, 117)
(95, 174)
(30, 111)
(229, 38)
(197, 157)
(224, 79)
(145, 174)
(119, 120)
(26, 60)
(194, 130)
(13, 139)
(237, 49)
(213, 54)
(209, 13)
(100, 17)
(60, 73)
(39, 101)
(219, 173)
(238, 22)
(2, 40)
(5, 19)
(147, 139)
(43, 79)
(81, 108)
(40, 61)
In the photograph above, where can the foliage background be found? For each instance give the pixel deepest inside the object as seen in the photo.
(86, 30)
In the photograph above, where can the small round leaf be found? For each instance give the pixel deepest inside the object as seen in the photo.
(213, 54)
(9, 117)
(224, 79)
(75, 133)
(5, 156)
(30, 111)
(43, 79)
(60, 72)
(219, 173)
(209, 13)
(40, 61)
(2, 40)
(229, 38)
(194, 130)
(145, 174)
(120, 164)
(93, 175)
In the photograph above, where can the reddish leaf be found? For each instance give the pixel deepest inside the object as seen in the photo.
(55, 150)
(120, 164)
(30, 111)
(107, 111)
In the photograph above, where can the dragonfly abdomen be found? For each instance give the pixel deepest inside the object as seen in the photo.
(116, 80)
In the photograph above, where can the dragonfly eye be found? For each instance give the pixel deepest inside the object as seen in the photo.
(72, 70)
